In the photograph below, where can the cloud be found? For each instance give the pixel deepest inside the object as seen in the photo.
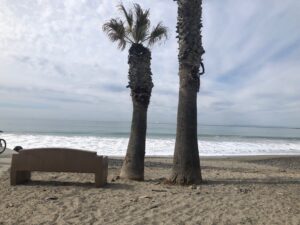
(55, 62)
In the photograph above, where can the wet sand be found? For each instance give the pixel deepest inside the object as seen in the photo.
(236, 190)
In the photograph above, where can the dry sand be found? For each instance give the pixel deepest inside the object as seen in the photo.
(242, 190)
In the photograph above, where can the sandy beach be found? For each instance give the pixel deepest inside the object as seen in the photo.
(237, 190)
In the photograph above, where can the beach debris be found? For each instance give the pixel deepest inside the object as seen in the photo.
(125, 206)
(159, 190)
(54, 177)
(10, 205)
(193, 186)
(158, 181)
(244, 190)
(52, 198)
(113, 179)
(145, 197)
(154, 206)
(247, 220)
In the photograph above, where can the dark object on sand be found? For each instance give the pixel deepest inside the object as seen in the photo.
(57, 160)
(18, 148)
(2, 145)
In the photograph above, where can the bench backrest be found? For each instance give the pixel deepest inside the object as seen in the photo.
(57, 160)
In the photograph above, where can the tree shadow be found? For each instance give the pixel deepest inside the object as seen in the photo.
(160, 180)
(118, 186)
(55, 183)
(51, 183)
(284, 162)
(231, 169)
(113, 162)
(273, 181)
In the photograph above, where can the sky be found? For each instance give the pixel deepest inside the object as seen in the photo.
(56, 63)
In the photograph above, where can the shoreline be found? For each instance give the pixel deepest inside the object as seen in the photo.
(8, 152)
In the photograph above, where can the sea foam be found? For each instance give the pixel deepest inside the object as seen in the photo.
(116, 146)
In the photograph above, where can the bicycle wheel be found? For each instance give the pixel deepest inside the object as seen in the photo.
(2, 145)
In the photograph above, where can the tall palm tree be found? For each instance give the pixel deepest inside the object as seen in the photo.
(136, 31)
(186, 163)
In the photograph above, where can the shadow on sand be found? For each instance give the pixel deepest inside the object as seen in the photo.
(118, 163)
(115, 186)
(272, 181)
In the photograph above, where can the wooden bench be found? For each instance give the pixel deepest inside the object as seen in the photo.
(57, 160)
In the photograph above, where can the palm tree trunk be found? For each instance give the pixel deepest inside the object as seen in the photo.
(133, 166)
(186, 163)
(140, 83)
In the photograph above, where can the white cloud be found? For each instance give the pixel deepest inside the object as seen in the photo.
(56, 62)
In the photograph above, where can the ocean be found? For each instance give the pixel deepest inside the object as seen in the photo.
(111, 138)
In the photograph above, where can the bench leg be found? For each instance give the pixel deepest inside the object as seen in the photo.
(19, 177)
(101, 175)
(99, 180)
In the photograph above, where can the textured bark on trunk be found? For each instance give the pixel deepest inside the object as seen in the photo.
(186, 162)
(140, 83)
(133, 166)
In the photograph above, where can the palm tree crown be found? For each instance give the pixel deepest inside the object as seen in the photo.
(136, 29)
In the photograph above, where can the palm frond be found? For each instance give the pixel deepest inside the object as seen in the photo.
(135, 29)
(158, 33)
(115, 31)
(142, 23)
(128, 16)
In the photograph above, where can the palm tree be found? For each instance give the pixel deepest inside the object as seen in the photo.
(136, 32)
(186, 162)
